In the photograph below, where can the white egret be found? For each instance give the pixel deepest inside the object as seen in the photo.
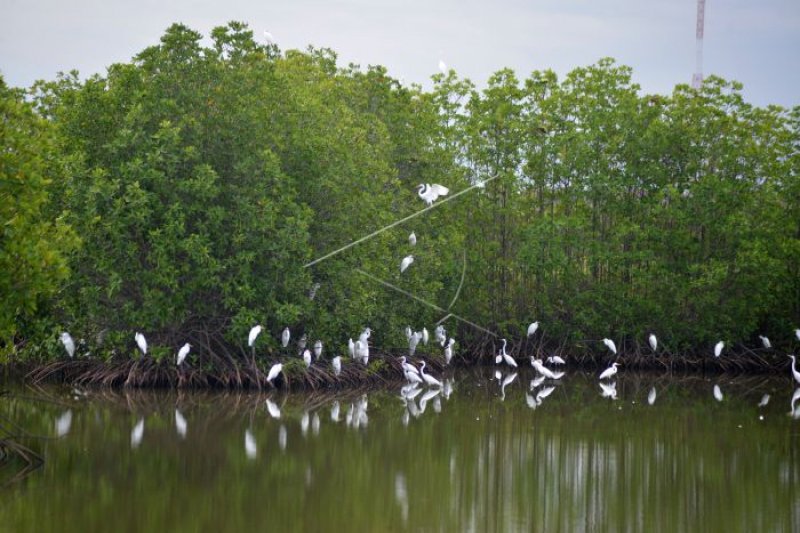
(268, 37)
(255, 331)
(406, 262)
(448, 351)
(610, 371)
(409, 332)
(543, 370)
(556, 360)
(64, 423)
(558, 375)
(443, 66)
(429, 380)
(653, 342)
(532, 328)
(141, 342)
(337, 365)
(317, 349)
(795, 412)
(609, 391)
(411, 377)
(765, 342)
(285, 336)
(651, 397)
(407, 367)
(137, 433)
(183, 352)
(538, 380)
(425, 336)
(412, 239)
(718, 393)
(273, 372)
(764, 401)
(351, 348)
(506, 357)
(307, 358)
(69, 344)
(366, 334)
(413, 342)
(180, 424)
(610, 345)
(718, 348)
(282, 438)
(273, 409)
(440, 334)
(430, 193)
(250, 448)
(362, 351)
(795, 373)
(797, 334)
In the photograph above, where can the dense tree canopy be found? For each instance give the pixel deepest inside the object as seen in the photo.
(202, 180)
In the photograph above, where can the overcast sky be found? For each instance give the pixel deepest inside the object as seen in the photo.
(756, 42)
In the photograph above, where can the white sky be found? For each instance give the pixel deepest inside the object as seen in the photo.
(756, 42)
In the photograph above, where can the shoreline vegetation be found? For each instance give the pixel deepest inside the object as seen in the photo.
(208, 188)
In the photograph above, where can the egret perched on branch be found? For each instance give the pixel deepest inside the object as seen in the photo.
(448, 350)
(366, 334)
(351, 348)
(273, 373)
(268, 37)
(412, 239)
(609, 372)
(430, 193)
(718, 348)
(307, 358)
(255, 331)
(429, 380)
(301, 344)
(413, 342)
(406, 262)
(285, 336)
(653, 342)
(532, 328)
(337, 365)
(183, 352)
(611, 346)
(141, 342)
(408, 367)
(318, 349)
(795, 373)
(69, 344)
(765, 342)
(425, 336)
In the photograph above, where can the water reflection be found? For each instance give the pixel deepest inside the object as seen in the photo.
(477, 454)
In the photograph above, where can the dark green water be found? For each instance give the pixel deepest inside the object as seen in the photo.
(481, 460)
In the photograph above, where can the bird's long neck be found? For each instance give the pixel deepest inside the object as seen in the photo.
(793, 362)
(422, 368)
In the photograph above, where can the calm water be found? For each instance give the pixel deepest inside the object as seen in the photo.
(477, 459)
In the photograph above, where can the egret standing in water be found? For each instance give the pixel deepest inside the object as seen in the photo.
(609, 372)
(532, 328)
(795, 373)
(429, 380)
(406, 262)
(653, 342)
(430, 193)
(610, 345)
(505, 357)
(285, 336)
(183, 352)
(69, 344)
(141, 342)
(412, 239)
(718, 348)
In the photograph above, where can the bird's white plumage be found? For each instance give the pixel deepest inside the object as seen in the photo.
(795, 373)
(797, 334)
(448, 351)
(268, 37)
(413, 341)
(425, 336)
(351, 348)
(653, 341)
(609, 391)
(430, 193)
(429, 380)
(337, 365)
(141, 342)
(556, 360)
(532, 328)
(609, 372)
(183, 352)
(274, 371)
(251, 337)
(442, 67)
(406, 262)
(610, 345)
(718, 348)
(412, 239)
(307, 357)
(285, 336)
(543, 370)
(765, 342)
(69, 344)
(318, 349)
